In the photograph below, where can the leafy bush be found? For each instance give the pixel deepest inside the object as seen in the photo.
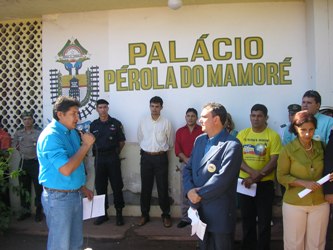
(5, 175)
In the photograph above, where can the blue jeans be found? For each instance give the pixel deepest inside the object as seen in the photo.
(184, 205)
(64, 218)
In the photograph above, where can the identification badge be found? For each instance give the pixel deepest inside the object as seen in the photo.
(211, 168)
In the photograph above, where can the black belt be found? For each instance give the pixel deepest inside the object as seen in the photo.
(62, 191)
(154, 153)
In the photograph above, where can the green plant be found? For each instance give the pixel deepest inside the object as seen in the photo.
(5, 175)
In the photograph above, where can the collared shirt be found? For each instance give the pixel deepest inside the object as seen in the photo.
(185, 139)
(295, 163)
(55, 146)
(155, 136)
(25, 141)
(322, 132)
(258, 149)
(283, 131)
(213, 140)
(108, 134)
(5, 140)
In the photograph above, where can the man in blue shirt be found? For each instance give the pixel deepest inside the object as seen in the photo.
(60, 153)
(311, 102)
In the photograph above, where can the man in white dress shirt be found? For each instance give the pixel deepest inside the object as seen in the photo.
(155, 136)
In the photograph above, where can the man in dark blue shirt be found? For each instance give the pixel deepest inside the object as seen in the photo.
(110, 140)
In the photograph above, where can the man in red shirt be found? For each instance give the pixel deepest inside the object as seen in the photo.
(185, 137)
(5, 141)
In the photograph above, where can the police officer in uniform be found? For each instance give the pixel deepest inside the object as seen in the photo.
(284, 128)
(24, 141)
(110, 140)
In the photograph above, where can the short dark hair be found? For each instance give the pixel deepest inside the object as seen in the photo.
(101, 101)
(314, 94)
(300, 118)
(156, 99)
(63, 104)
(217, 110)
(260, 107)
(193, 110)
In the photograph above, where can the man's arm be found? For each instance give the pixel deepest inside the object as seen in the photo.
(75, 161)
(183, 157)
(121, 145)
(139, 133)
(178, 148)
(256, 175)
(270, 166)
(15, 143)
(170, 135)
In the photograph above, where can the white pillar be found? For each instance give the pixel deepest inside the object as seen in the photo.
(319, 18)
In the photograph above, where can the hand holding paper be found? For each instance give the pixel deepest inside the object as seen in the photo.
(93, 208)
(321, 182)
(247, 191)
(198, 227)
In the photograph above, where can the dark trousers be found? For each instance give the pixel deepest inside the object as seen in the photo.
(217, 241)
(329, 237)
(154, 166)
(4, 189)
(259, 207)
(31, 171)
(107, 168)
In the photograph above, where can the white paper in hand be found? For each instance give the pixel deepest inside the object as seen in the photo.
(93, 208)
(244, 190)
(198, 227)
(321, 182)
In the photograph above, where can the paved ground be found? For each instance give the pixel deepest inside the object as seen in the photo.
(29, 235)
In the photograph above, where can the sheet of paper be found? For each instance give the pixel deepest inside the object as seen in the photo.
(321, 182)
(247, 191)
(201, 229)
(93, 208)
(198, 227)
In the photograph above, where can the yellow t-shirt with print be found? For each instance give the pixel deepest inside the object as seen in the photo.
(258, 148)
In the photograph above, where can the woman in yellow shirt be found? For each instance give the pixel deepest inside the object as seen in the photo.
(300, 165)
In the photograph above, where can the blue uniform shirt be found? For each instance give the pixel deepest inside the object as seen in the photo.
(322, 132)
(55, 146)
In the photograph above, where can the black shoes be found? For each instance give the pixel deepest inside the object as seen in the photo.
(100, 220)
(24, 216)
(119, 218)
(183, 223)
